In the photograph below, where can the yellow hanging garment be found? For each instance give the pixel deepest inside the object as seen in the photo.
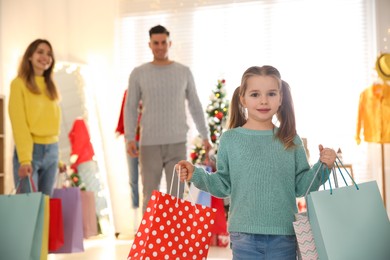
(374, 106)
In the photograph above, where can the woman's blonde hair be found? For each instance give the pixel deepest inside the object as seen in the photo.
(26, 71)
(285, 114)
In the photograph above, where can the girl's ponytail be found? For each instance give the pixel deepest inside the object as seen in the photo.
(286, 117)
(236, 111)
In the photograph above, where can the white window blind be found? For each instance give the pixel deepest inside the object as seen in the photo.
(323, 49)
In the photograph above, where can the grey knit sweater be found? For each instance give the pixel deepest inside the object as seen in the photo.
(261, 178)
(163, 91)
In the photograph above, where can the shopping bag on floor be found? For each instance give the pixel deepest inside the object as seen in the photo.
(350, 223)
(56, 225)
(89, 214)
(204, 198)
(73, 220)
(21, 225)
(220, 236)
(220, 226)
(306, 245)
(172, 228)
(200, 196)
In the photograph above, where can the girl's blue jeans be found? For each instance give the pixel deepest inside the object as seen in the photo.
(45, 167)
(263, 247)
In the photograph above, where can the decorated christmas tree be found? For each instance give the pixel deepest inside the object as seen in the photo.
(76, 181)
(216, 111)
(198, 153)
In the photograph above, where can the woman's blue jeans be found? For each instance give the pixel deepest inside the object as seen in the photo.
(263, 247)
(45, 167)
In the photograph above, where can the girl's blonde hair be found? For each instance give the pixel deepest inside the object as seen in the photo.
(285, 114)
(26, 71)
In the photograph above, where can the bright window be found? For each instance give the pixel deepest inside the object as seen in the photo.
(323, 49)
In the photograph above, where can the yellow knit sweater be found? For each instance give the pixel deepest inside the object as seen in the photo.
(35, 118)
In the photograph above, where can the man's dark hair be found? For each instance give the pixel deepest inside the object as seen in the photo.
(158, 29)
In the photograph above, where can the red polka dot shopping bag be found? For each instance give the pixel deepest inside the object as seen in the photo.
(173, 228)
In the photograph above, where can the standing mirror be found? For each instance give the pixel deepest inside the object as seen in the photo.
(79, 139)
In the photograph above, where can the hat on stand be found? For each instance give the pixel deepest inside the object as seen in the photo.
(382, 66)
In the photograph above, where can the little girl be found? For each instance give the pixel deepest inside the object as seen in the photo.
(261, 167)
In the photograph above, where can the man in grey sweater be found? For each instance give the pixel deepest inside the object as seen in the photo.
(163, 86)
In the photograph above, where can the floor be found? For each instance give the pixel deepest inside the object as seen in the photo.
(103, 248)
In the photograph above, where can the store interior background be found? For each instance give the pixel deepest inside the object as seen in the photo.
(85, 36)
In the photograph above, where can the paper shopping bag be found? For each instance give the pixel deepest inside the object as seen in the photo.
(21, 225)
(45, 229)
(220, 226)
(204, 198)
(306, 245)
(73, 220)
(350, 223)
(200, 196)
(220, 236)
(89, 214)
(56, 225)
(173, 228)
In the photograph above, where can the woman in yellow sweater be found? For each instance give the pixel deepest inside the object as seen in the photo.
(35, 118)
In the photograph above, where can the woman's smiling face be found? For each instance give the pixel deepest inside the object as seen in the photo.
(41, 59)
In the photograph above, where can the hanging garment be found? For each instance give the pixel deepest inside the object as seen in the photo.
(374, 114)
(80, 141)
(120, 129)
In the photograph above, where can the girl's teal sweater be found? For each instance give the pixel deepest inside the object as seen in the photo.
(262, 179)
